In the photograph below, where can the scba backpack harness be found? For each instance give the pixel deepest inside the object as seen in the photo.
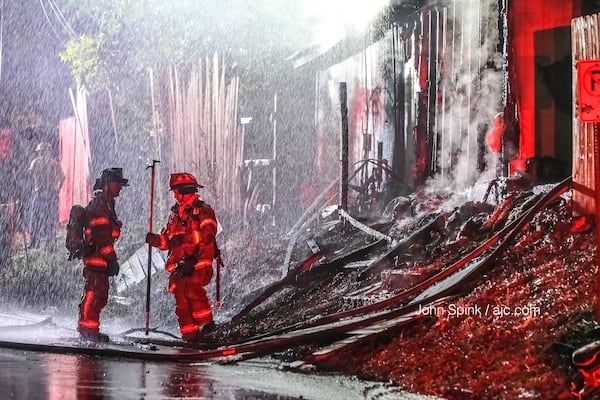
(75, 241)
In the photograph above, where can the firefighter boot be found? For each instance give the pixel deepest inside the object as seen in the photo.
(191, 337)
(93, 335)
(209, 328)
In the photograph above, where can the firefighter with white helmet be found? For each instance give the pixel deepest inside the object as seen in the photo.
(48, 177)
(189, 237)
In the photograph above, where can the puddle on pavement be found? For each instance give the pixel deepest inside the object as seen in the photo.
(26, 375)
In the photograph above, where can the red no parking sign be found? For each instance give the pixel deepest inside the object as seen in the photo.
(588, 88)
(588, 84)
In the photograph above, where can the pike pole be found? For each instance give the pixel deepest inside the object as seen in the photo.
(149, 273)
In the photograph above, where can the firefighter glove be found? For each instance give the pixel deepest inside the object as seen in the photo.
(153, 239)
(186, 266)
(113, 268)
(175, 241)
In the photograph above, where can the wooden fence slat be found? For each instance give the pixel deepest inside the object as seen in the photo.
(200, 114)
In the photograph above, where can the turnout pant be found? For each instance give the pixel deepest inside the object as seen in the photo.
(95, 296)
(43, 218)
(191, 303)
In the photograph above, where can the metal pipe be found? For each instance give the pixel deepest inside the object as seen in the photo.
(152, 166)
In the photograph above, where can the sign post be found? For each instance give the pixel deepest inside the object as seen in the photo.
(588, 90)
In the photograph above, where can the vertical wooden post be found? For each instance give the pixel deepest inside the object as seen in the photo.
(398, 158)
(379, 165)
(274, 201)
(344, 148)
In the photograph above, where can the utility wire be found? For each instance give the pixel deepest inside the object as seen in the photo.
(61, 18)
(50, 22)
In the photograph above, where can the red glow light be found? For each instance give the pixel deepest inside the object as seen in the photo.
(228, 352)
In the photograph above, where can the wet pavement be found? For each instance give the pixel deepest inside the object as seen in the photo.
(36, 375)
(30, 374)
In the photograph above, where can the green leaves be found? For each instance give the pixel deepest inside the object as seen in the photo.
(86, 65)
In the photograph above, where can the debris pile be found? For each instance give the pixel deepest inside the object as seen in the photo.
(509, 334)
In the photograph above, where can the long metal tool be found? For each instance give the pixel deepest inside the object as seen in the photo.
(149, 275)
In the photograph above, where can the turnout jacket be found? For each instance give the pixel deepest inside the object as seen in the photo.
(190, 232)
(101, 231)
(47, 174)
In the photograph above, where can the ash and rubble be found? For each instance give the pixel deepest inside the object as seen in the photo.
(547, 273)
(349, 267)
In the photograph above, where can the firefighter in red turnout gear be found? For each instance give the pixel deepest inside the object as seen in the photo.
(100, 260)
(189, 237)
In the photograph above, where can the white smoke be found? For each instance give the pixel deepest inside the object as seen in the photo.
(472, 88)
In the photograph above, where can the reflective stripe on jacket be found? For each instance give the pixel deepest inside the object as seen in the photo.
(191, 233)
(103, 229)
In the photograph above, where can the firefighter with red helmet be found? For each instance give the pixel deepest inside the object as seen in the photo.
(189, 237)
(103, 228)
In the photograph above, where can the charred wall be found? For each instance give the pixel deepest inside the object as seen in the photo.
(425, 89)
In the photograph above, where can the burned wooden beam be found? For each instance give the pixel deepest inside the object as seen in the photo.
(380, 262)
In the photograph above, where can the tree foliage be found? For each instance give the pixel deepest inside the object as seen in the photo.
(117, 40)
(114, 43)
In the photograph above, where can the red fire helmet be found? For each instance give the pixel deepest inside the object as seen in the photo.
(183, 179)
